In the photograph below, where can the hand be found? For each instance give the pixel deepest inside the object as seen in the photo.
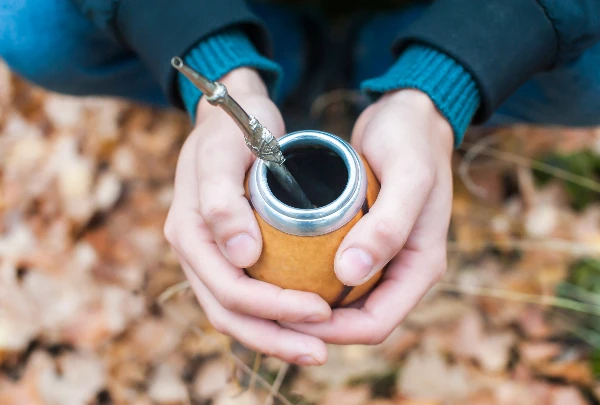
(408, 144)
(214, 233)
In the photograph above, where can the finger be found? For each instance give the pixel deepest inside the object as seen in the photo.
(258, 334)
(186, 181)
(431, 229)
(406, 280)
(224, 160)
(185, 190)
(381, 234)
(235, 290)
(187, 234)
(222, 166)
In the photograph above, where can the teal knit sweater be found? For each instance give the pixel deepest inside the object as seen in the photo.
(448, 84)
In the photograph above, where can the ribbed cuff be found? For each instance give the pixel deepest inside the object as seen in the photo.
(219, 54)
(448, 84)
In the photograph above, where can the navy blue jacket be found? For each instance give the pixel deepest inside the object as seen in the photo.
(501, 43)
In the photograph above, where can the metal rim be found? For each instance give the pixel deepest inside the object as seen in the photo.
(318, 221)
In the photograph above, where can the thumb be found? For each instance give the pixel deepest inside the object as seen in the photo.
(381, 234)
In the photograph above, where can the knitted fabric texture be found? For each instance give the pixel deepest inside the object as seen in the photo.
(219, 54)
(448, 84)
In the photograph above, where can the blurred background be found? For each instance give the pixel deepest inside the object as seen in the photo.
(94, 308)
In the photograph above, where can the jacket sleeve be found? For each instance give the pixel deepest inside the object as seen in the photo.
(503, 43)
(576, 23)
(157, 30)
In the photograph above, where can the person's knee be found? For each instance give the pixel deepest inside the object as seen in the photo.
(38, 67)
(23, 41)
(46, 43)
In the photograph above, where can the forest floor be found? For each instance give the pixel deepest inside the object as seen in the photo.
(94, 308)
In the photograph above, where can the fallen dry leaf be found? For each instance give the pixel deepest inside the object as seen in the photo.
(538, 352)
(232, 396)
(347, 362)
(86, 184)
(166, 387)
(577, 372)
(534, 324)
(427, 376)
(417, 402)
(567, 395)
(212, 378)
(399, 342)
(347, 395)
(491, 350)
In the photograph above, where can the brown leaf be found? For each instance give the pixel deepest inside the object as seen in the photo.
(107, 191)
(438, 310)
(491, 350)
(347, 395)
(511, 393)
(152, 340)
(538, 352)
(19, 392)
(596, 390)
(417, 402)
(166, 387)
(494, 351)
(533, 323)
(347, 362)
(577, 372)
(399, 342)
(427, 376)
(232, 396)
(212, 377)
(468, 335)
(482, 398)
(73, 380)
(567, 395)
(380, 401)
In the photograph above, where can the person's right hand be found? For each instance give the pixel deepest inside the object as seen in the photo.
(215, 235)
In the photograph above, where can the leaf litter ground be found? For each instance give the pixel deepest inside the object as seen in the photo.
(95, 310)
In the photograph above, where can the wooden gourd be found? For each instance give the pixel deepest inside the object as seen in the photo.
(306, 263)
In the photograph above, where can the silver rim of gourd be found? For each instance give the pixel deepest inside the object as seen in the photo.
(317, 221)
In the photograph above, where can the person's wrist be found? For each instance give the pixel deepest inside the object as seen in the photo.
(239, 83)
(421, 104)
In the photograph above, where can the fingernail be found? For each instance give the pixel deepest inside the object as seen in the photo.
(355, 266)
(315, 318)
(307, 360)
(240, 249)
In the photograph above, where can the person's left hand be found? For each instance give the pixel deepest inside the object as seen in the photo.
(408, 144)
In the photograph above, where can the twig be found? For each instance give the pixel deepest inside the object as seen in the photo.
(173, 291)
(565, 175)
(527, 186)
(544, 300)
(180, 287)
(591, 336)
(277, 383)
(463, 169)
(580, 293)
(554, 245)
(255, 369)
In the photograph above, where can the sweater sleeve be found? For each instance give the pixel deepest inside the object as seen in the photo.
(447, 83)
(216, 56)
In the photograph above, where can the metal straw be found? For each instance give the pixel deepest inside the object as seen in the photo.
(259, 139)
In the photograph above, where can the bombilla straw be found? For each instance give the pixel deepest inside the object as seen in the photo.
(259, 139)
